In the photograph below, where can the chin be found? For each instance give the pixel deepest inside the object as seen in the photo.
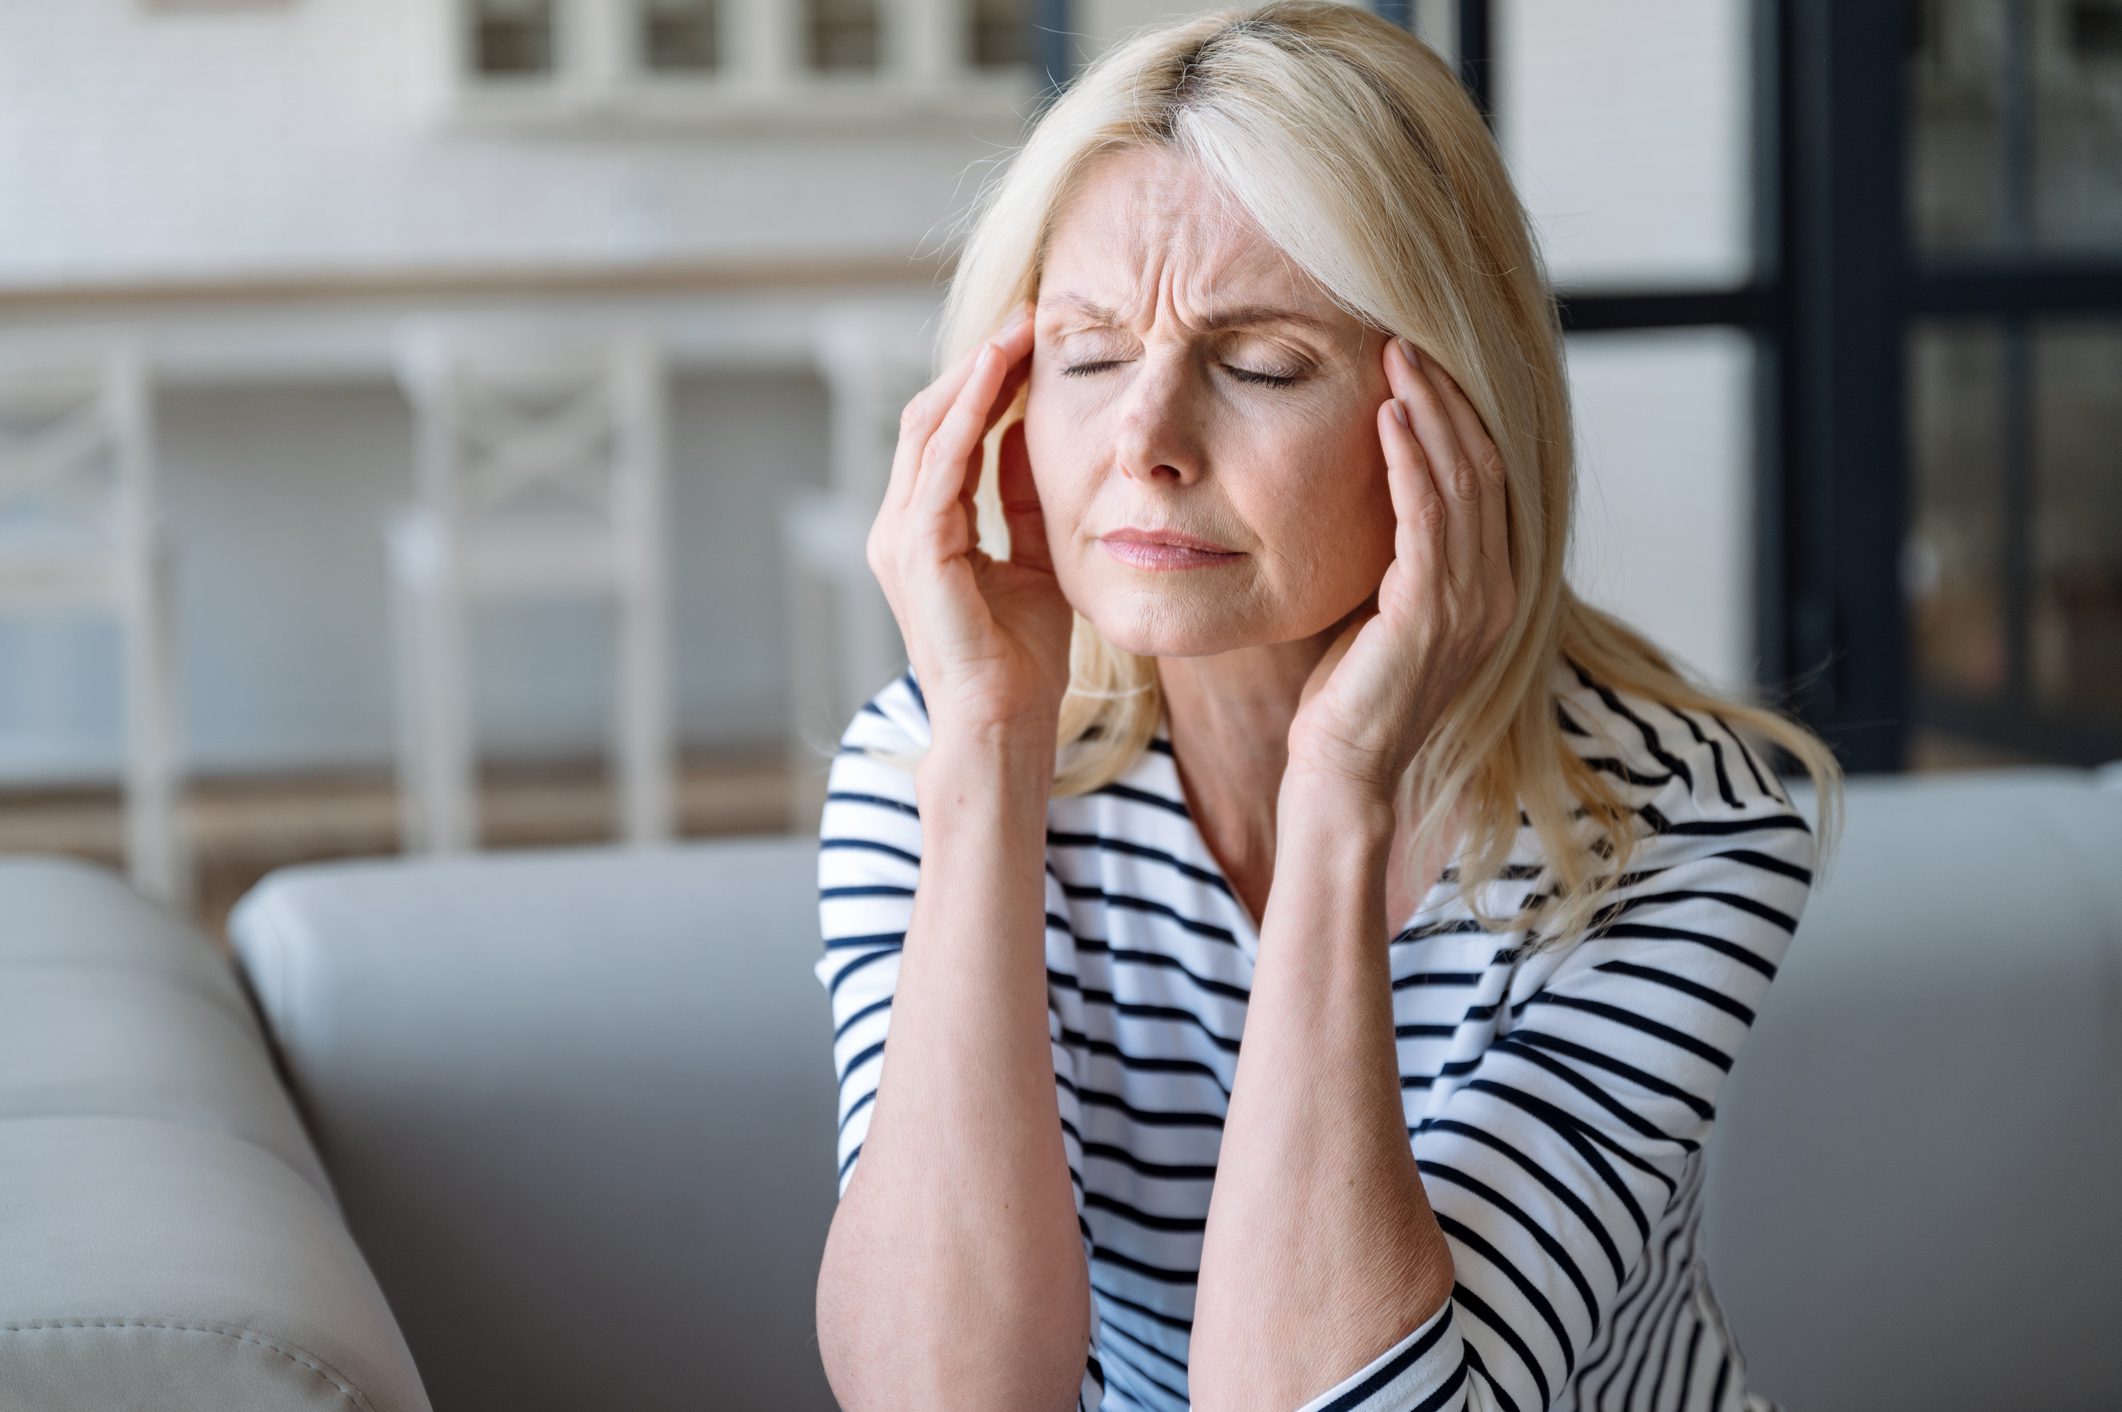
(1150, 623)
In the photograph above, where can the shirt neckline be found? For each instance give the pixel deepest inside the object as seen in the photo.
(1240, 921)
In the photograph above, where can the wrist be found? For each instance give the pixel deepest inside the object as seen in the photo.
(1357, 840)
(1335, 843)
(1333, 801)
(1017, 762)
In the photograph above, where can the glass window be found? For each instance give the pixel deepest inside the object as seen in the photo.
(2077, 89)
(1001, 33)
(1627, 129)
(844, 34)
(513, 36)
(2074, 641)
(2015, 590)
(2015, 125)
(1956, 196)
(1665, 471)
(679, 36)
(1953, 560)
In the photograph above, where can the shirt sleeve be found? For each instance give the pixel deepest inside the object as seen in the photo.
(1560, 1148)
(869, 856)
(869, 859)
(1092, 1394)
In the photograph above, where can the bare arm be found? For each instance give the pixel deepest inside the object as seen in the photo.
(953, 1275)
(1321, 1247)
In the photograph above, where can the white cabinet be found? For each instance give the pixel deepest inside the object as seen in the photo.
(840, 64)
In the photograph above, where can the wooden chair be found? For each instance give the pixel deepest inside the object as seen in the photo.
(80, 530)
(874, 355)
(540, 473)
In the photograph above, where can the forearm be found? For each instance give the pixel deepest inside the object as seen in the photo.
(1321, 1250)
(953, 1274)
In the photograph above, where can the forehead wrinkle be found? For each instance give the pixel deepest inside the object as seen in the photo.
(1174, 228)
(1234, 316)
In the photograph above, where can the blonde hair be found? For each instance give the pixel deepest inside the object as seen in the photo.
(1353, 147)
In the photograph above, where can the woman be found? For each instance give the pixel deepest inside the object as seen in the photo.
(1152, 837)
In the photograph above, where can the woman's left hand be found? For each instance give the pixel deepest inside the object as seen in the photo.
(1444, 604)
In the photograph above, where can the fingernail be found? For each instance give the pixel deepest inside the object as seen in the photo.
(1407, 351)
(1400, 413)
(1017, 319)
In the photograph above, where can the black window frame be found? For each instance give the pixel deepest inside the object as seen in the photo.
(2013, 292)
(1835, 289)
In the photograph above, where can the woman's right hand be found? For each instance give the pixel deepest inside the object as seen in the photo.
(988, 638)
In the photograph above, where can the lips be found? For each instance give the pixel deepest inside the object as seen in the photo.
(1166, 549)
(1174, 538)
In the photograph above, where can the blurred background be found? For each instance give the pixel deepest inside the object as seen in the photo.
(449, 424)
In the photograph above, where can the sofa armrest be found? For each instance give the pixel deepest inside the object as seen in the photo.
(579, 1104)
(167, 1235)
(1913, 1164)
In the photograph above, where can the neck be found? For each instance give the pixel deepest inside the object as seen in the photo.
(1229, 719)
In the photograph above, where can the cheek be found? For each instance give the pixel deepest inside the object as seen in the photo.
(1055, 453)
(1342, 514)
(1344, 480)
(1053, 442)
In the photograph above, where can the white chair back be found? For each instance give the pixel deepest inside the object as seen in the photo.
(534, 422)
(80, 529)
(75, 435)
(540, 472)
(874, 355)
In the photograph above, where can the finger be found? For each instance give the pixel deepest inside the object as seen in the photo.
(1455, 478)
(1419, 512)
(1012, 383)
(1009, 347)
(1021, 509)
(940, 477)
(921, 415)
(1473, 436)
(917, 422)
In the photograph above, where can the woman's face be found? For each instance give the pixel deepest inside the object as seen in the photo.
(1157, 320)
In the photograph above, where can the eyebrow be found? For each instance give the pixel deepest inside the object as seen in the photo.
(1236, 316)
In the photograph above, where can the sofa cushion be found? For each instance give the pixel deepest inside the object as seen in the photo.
(580, 1105)
(1910, 1195)
(153, 1263)
(62, 911)
(168, 1234)
(113, 1041)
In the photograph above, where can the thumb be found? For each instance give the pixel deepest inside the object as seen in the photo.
(1021, 510)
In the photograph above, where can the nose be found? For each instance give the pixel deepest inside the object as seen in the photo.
(1159, 432)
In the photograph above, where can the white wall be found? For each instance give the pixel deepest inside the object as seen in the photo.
(308, 135)
(305, 136)
(143, 145)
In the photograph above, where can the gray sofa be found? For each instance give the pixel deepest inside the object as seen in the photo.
(554, 1129)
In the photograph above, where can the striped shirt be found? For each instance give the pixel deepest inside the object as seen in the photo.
(1557, 1103)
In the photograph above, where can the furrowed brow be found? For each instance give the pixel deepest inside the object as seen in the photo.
(1235, 316)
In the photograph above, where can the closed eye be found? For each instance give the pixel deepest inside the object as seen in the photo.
(1242, 374)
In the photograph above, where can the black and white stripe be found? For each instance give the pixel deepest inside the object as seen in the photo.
(1557, 1103)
